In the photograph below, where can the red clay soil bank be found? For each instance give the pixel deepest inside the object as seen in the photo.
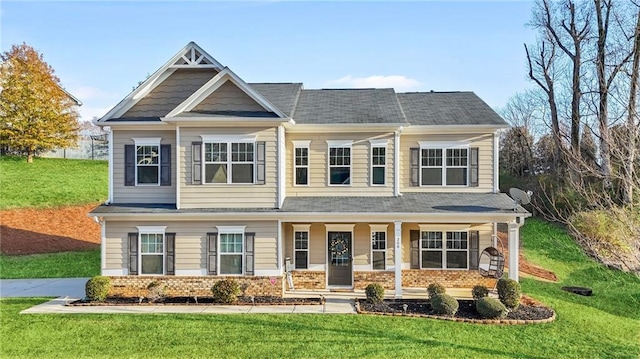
(29, 231)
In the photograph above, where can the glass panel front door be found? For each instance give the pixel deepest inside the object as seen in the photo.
(340, 259)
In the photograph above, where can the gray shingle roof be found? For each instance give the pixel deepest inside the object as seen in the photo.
(281, 95)
(447, 108)
(329, 106)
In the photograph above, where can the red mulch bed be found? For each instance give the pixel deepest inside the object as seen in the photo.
(30, 231)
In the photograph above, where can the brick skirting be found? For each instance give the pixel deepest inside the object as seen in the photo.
(179, 286)
(421, 278)
(309, 279)
(384, 278)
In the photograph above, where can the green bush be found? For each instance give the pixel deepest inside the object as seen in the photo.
(97, 288)
(490, 308)
(435, 289)
(375, 292)
(479, 291)
(509, 292)
(444, 304)
(225, 291)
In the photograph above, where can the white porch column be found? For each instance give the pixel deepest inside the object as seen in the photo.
(398, 258)
(514, 247)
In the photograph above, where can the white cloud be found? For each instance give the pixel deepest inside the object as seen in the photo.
(95, 101)
(398, 82)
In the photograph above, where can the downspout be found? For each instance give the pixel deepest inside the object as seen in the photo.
(177, 167)
(281, 171)
(110, 165)
(496, 163)
(396, 162)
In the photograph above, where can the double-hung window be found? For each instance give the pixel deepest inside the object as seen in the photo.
(339, 163)
(147, 162)
(378, 249)
(444, 249)
(301, 247)
(152, 250)
(231, 253)
(229, 159)
(444, 164)
(301, 163)
(378, 162)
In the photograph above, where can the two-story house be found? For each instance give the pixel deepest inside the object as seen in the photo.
(210, 176)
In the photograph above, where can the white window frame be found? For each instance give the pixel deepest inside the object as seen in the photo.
(229, 141)
(152, 230)
(378, 144)
(231, 230)
(444, 250)
(300, 145)
(147, 142)
(443, 146)
(331, 144)
(379, 228)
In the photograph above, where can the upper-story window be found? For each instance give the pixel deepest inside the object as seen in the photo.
(147, 161)
(444, 164)
(301, 163)
(339, 163)
(229, 160)
(378, 162)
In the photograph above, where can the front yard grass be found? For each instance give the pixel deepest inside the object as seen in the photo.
(51, 182)
(606, 325)
(51, 265)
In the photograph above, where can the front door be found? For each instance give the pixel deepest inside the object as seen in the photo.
(340, 259)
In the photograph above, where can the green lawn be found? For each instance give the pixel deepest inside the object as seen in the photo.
(51, 182)
(606, 325)
(51, 265)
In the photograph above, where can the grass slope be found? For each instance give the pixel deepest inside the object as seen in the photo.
(605, 325)
(51, 265)
(51, 182)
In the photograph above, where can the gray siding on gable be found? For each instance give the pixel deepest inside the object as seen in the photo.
(228, 97)
(141, 194)
(170, 93)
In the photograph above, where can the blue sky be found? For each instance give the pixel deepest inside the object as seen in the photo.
(100, 50)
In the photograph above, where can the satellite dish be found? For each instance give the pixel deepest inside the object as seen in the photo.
(520, 196)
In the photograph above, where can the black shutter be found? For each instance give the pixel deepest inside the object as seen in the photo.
(196, 162)
(133, 253)
(249, 244)
(474, 247)
(129, 165)
(212, 253)
(170, 253)
(473, 167)
(414, 236)
(165, 165)
(260, 162)
(415, 166)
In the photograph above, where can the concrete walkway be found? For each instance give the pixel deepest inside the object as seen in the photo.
(55, 287)
(58, 306)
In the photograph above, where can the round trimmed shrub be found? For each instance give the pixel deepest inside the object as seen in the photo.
(97, 288)
(444, 304)
(435, 289)
(374, 292)
(490, 308)
(225, 291)
(479, 291)
(509, 292)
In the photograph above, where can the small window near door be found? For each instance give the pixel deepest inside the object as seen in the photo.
(378, 250)
(301, 256)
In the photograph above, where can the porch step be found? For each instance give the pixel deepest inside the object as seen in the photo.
(341, 290)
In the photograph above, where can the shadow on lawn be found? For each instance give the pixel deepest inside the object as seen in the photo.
(20, 242)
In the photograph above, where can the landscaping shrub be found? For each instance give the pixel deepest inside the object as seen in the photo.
(225, 291)
(491, 308)
(97, 288)
(155, 291)
(479, 291)
(435, 289)
(509, 292)
(375, 292)
(444, 304)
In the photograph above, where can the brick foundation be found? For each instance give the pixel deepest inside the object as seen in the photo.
(179, 286)
(309, 279)
(384, 278)
(420, 278)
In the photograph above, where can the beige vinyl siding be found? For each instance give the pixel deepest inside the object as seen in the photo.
(485, 162)
(228, 97)
(141, 194)
(485, 232)
(171, 92)
(227, 195)
(318, 165)
(191, 242)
